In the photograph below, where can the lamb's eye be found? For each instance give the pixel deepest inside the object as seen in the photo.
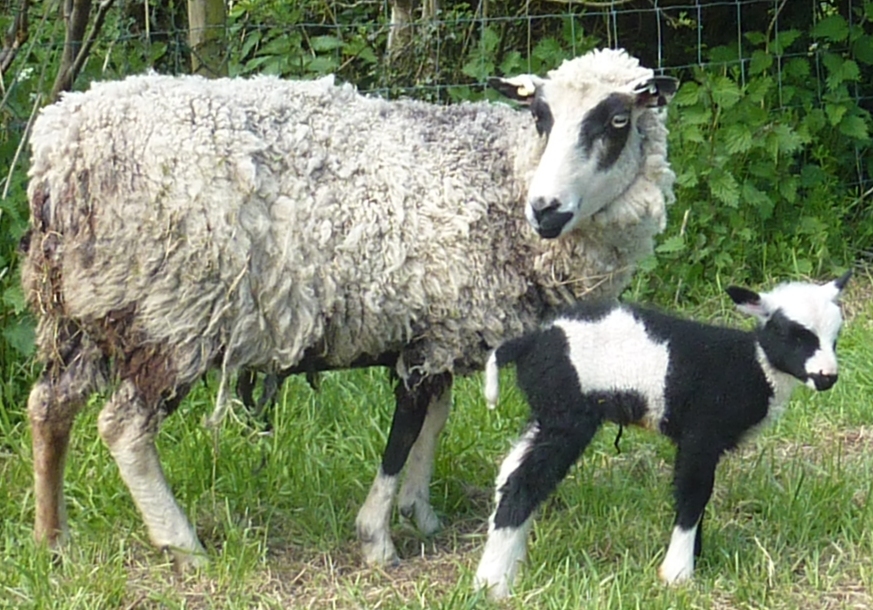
(620, 121)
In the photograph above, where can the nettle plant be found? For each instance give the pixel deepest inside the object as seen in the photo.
(770, 168)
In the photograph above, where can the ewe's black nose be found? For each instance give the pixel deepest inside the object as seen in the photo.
(549, 221)
(824, 382)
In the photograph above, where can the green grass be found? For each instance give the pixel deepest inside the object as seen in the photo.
(789, 525)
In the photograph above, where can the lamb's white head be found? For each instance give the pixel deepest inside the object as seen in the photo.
(798, 327)
(589, 110)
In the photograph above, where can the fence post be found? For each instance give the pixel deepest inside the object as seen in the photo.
(206, 23)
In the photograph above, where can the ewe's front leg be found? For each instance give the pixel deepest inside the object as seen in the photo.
(414, 498)
(374, 518)
(128, 425)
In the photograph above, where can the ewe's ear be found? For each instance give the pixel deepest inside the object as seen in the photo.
(749, 302)
(656, 91)
(520, 88)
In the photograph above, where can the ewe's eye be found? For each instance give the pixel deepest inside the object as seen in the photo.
(620, 121)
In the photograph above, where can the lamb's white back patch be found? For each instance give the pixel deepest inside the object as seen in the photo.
(615, 353)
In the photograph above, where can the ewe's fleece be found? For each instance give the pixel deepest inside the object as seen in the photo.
(240, 222)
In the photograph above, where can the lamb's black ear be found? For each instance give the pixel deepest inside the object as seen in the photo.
(841, 281)
(656, 91)
(520, 88)
(748, 301)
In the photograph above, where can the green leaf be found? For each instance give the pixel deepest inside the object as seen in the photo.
(862, 49)
(758, 199)
(788, 188)
(835, 113)
(839, 70)
(320, 44)
(687, 179)
(725, 92)
(19, 336)
(13, 296)
(833, 28)
(756, 37)
(760, 62)
(548, 51)
(251, 41)
(724, 187)
(854, 127)
(674, 243)
(737, 138)
(688, 94)
(783, 40)
(323, 64)
(797, 68)
(787, 139)
(513, 63)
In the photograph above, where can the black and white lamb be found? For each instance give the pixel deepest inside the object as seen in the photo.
(703, 386)
(180, 224)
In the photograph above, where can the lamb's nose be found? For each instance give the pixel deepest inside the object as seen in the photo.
(824, 382)
(549, 221)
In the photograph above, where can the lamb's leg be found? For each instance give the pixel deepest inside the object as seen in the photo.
(693, 480)
(414, 498)
(374, 517)
(52, 406)
(531, 471)
(128, 424)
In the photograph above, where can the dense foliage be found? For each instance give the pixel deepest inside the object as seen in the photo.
(770, 131)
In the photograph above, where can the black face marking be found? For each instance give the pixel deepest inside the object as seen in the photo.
(543, 115)
(598, 124)
(788, 345)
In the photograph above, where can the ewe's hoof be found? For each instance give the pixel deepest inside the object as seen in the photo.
(377, 549)
(424, 517)
(187, 562)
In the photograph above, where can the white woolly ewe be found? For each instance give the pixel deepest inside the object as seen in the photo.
(181, 224)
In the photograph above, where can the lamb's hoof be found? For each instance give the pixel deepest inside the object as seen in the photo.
(424, 516)
(496, 588)
(674, 575)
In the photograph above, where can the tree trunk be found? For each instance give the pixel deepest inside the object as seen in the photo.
(76, 49)
(206, 23)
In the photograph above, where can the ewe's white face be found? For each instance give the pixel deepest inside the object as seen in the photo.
(799, 327)
(593, 150)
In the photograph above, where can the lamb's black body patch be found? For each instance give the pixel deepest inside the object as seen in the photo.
(699, 396)
(597, 125)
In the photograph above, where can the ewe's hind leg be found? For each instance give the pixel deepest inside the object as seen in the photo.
(375, 515)
(52, 406)
(128, 424)
(414, 498)
(531, 471)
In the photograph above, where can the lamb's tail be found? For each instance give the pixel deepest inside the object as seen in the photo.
(504, 354)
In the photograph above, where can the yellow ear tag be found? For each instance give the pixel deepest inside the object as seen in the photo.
(525, 91)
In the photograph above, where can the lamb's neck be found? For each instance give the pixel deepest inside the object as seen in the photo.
(782, 384)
